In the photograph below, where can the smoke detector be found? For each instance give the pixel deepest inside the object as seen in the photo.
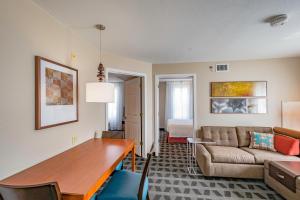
(277, 20)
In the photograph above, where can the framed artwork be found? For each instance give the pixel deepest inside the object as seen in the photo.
(238, 105)
(239, 89)
(56, 94)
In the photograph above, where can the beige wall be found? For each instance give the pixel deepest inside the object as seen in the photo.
(162, 104)
(26, 31)
(283, 84)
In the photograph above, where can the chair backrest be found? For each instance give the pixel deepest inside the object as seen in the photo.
(144, 175)
(47, 191)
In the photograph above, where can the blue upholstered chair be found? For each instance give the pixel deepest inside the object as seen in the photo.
(127, 185)
(119, 166)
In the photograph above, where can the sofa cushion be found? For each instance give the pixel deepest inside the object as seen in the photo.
(225, 154)
(243, 133)
(264, 141)
(223, 136)
(262, 155)
(287, 145)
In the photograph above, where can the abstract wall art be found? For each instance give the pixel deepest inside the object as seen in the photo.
(59, 88)
(229, 105)
(56, 95)
(239, 89)
(238, 105)
(244, 97)
(257, 105)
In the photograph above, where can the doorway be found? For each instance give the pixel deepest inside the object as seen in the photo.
(175, 107)
(126, 115)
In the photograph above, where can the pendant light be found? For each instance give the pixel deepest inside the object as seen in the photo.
(101, 91)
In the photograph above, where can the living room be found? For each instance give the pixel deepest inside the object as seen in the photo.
(249, 49)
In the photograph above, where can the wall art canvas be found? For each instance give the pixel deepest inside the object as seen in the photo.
(257, 105)
(56, 93)
(239, 89)
(238, 105)
(59, 88)
(229, 106)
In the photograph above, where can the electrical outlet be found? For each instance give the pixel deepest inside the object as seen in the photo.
(74, 140)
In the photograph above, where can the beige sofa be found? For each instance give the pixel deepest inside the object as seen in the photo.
(231, 155)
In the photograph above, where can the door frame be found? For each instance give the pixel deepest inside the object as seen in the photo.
(144, 103)
(156, 104)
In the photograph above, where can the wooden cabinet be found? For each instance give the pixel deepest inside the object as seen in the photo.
(283, 177)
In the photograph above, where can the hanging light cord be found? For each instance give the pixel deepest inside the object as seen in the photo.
(101, 72)
(100, 46)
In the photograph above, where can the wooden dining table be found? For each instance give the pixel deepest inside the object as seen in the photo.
(79, 171)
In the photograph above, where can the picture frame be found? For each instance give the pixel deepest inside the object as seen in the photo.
(56, 94)
(238, 89)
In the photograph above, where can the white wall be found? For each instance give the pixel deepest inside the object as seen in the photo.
(26, 31)
(283, 84)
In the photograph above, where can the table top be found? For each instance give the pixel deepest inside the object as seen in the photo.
(200, 141)
(293, 167)
(80, 170)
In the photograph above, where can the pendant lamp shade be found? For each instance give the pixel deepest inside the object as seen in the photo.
(101, 92)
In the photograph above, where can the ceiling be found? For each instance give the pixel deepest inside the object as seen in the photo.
(169, 31)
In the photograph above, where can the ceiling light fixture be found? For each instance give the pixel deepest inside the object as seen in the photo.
(101, 91)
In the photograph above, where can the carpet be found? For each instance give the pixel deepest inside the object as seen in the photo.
(168, 179)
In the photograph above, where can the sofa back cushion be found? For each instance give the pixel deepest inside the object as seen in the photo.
(223, 136)
(243, 133)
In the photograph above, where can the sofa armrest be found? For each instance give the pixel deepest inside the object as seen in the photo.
(203, 158)
(287, 132)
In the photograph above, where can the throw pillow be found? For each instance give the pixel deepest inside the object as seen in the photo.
(286, 145)
(263, 141)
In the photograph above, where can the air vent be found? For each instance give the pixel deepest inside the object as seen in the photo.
(222, 67)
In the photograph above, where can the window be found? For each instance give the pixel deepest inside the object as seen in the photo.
(115, 109)
(179, 100)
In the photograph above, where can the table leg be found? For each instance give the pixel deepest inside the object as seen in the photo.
(194, 159)
(133, 158)
(187, 156)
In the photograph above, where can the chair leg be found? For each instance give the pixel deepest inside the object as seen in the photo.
(148, 198)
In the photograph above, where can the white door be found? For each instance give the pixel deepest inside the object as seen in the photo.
(133, 112)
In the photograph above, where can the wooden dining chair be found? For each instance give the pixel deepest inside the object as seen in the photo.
(47, 191)
(127, 185)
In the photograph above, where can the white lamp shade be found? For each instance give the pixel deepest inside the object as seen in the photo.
(100, 92)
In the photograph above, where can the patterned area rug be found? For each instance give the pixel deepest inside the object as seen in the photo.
(168, 179)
